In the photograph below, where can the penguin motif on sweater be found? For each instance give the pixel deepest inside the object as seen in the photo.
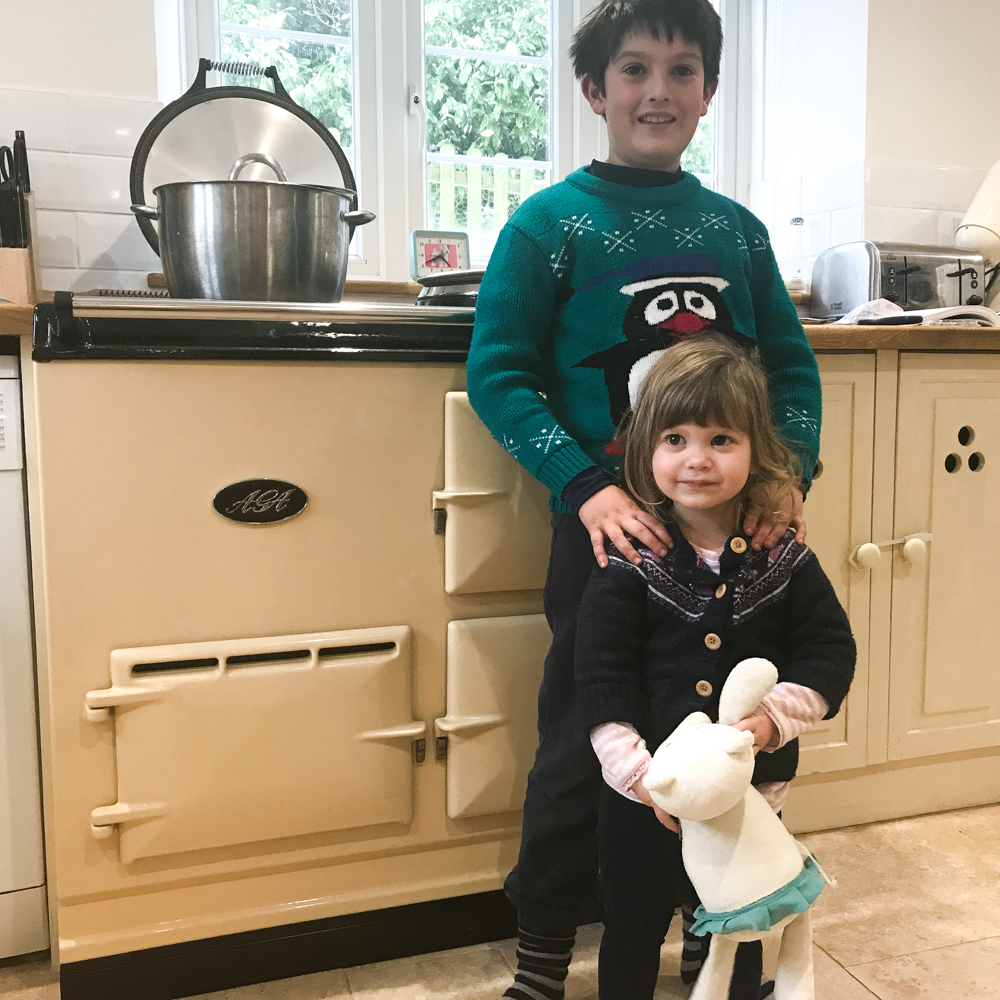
(665, 309)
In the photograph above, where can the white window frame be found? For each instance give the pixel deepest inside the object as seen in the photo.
(389, 126)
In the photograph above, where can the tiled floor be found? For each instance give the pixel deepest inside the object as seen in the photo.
(916, 914)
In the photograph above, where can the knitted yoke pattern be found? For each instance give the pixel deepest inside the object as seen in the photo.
(589, 282)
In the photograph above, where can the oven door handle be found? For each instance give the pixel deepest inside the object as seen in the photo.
(98, 703)
(463, 723)
(442, 497)
(104, 819)
(407, 731)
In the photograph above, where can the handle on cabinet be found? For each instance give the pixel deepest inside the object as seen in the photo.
(442, 497)
(867, 555)
(97, 703)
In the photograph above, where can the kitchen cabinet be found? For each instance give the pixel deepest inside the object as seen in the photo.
(838, 514)
(944, 662)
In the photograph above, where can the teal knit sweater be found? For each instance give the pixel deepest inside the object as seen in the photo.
(588, 282)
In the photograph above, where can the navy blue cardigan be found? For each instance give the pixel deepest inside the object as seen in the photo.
(650, 636)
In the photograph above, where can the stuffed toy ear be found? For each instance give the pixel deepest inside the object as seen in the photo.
(745, 688)
(694, 719)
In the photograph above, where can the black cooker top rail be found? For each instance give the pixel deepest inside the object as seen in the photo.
(83, 328)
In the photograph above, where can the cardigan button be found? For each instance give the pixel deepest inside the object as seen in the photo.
(720, 591)
(738, 545)
(712, 641)
(703, 688)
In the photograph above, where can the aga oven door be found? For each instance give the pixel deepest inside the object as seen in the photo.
(241, 741)
(495, 515)
(489, 735)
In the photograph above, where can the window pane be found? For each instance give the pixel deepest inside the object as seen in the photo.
(700, 156)
(317, 75)
(482, 111)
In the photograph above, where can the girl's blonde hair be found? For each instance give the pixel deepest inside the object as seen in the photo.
(708, 380)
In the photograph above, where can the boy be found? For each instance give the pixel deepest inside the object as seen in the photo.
(589, 281)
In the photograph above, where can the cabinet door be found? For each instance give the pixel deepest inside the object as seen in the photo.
(497, 529)
(494, 670)
(944, 661)
(838, 513)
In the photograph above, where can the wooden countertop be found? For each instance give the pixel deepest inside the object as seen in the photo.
(16, 320)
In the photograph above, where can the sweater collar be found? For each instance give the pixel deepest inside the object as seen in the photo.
(640, 197)
(686, 559)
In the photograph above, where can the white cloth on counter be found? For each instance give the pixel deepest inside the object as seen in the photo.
(876, 309)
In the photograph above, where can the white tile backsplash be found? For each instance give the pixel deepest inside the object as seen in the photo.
(906, 225)
(938, 188)
(80, 154)
(56, 238)
(80, 182)
(846, 225)
(827, 190)
(42, 117)
(107, 127)
(815, 234)
(62, 279)
(111, 242)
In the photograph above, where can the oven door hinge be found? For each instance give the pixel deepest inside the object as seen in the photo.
(440, 520)
(441, 748)
(419, 751)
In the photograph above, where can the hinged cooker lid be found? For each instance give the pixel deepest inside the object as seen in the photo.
(205, 131)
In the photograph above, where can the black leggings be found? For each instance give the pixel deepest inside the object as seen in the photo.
(643, 881)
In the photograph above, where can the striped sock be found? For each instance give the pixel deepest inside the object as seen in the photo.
(695, 948)
(542, 962)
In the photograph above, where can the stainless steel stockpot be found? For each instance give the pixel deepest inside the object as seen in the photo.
(264, 241)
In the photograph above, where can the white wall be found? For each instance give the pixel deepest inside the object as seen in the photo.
(79, 78)
(931, 129)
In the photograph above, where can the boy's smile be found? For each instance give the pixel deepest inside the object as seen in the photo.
(654, 95)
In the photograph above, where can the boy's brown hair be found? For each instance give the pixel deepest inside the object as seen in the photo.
(602, 31)
(708, 380)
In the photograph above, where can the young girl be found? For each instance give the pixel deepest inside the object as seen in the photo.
(656, 642)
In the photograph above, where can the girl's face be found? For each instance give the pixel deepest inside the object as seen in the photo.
(701, 468)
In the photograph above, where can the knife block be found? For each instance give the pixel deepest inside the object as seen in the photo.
(19, 273)
(17, 276)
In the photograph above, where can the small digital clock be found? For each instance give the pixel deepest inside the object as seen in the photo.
(433, 252)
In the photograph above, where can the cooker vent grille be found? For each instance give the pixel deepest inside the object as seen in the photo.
(164, 666)
(358, 649)
(280, 656)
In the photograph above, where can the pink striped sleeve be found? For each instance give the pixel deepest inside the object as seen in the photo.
(623, 756)
(793, 709)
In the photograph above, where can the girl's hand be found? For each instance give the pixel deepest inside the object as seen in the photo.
(641, 792)
(766, 527)
(763, 729)
(611, 512)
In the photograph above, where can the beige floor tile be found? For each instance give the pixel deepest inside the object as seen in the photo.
(909, 885)
(834, 982)
(28, 979)
(968, 971)
(478, 973)
(317, 986)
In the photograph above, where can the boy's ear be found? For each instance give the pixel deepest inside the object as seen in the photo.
(710, 89)
(593, 93)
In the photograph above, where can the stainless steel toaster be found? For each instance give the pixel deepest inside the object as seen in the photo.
(913, 276)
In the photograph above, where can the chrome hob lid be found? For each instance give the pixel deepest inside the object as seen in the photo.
(205, 131)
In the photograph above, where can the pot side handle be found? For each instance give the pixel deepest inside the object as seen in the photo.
(354, 219)
(145, 211)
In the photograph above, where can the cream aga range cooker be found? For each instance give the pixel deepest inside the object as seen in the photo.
(287, 592)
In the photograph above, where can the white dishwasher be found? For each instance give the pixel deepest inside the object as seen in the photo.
(23, 921)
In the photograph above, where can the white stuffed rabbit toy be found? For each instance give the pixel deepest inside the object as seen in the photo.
(753, 880)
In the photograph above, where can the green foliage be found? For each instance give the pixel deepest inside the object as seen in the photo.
(699, 157)
(514, 26)
(317, 76)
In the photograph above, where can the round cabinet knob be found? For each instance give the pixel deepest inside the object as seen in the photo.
(915, 550)
(867, 556)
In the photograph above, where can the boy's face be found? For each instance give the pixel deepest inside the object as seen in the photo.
(654, 95)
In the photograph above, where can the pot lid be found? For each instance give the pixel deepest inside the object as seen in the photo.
(201, 135)
(466, 277)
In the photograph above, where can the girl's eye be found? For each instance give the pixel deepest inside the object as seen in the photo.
(721, 440)
(674, 440)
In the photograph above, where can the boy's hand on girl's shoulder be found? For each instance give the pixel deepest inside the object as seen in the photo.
(766, 527)
(612, 513)
(641, 792)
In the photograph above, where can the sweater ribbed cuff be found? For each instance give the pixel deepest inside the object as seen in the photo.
(561, 466)
(600, 703)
